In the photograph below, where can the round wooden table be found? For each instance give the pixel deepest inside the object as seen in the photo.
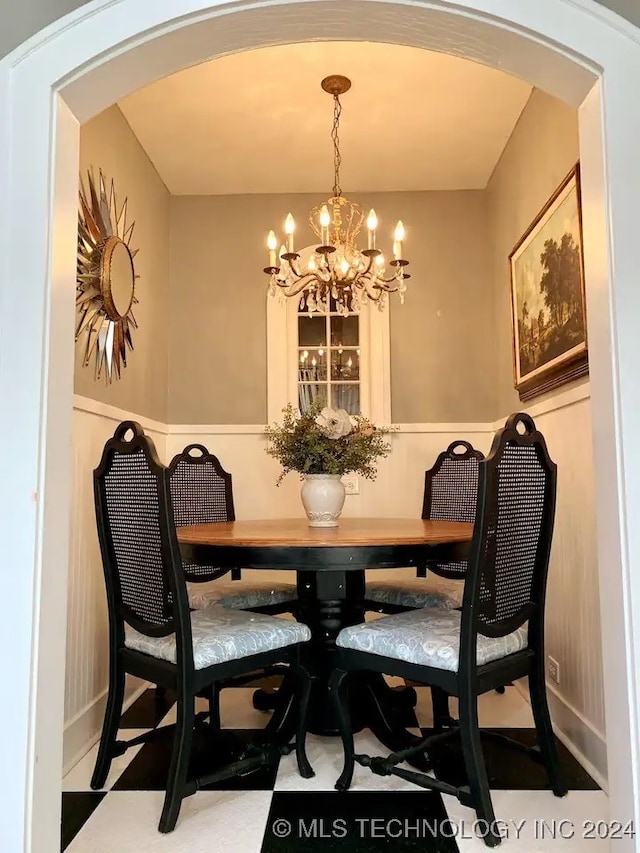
(330, 565)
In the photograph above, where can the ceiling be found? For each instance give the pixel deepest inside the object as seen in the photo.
(258, 122)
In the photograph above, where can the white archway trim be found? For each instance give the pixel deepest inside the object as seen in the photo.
(107, 49)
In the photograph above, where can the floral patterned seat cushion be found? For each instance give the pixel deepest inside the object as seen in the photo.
(236, 595)
(432, 592)
(426, 637)
(221, 634)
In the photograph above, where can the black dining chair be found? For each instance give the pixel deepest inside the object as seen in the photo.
(153, 635)
(202, 492)
(497, 637)
(450, 494)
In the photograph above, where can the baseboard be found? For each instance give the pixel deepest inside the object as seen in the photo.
(83, 730)
(584, 742)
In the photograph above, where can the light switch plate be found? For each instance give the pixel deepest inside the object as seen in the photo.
(553, 668)
(351, 484)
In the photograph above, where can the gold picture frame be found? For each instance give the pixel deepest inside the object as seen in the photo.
(548, 312)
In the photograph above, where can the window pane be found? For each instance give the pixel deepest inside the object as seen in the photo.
(346, 397)
(310, 393)
(312, 365)
(345, 365)
(344, 331)
(312, 331)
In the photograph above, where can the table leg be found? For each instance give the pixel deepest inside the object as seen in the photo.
(329, 601)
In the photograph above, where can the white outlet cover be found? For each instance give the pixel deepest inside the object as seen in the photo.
(351, 485)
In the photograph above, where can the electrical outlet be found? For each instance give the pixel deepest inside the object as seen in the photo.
(351, 484)
(553, 668)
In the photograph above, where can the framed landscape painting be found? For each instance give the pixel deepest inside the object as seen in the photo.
(547, 296)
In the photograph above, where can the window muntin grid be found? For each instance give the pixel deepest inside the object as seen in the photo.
(328, 356)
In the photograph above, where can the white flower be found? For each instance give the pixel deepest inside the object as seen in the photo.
(334, 423)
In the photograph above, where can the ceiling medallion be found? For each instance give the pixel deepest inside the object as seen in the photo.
(338, 275)
(105, 287)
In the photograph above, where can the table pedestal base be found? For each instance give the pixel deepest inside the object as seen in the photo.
(330, 601)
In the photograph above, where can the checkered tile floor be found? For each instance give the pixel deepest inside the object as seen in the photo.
(275, 810)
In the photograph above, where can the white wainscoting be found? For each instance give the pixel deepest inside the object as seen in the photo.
(86, 675)
(573, 634)
(573, 627)
(397, 491)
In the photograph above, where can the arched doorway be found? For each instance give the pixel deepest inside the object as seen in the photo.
(90, 59)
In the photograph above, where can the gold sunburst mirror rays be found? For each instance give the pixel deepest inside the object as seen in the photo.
(106, 279)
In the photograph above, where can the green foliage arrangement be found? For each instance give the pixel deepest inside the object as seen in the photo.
(326, 441)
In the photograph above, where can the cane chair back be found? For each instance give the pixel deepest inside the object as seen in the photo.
(136, 534)
(509, 559)
(201, 493)
(450, 494)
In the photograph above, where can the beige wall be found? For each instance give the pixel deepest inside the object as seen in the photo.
(441, 354)
(442, 350)
(541, 151)
(28, 16)
(108, 143)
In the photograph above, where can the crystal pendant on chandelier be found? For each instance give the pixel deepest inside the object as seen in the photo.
(337, 269)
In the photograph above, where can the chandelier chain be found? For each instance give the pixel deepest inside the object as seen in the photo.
(337, 159)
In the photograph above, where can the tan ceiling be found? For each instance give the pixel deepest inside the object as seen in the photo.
(258, 122)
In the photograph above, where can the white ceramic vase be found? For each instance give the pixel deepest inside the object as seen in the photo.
(323, 499)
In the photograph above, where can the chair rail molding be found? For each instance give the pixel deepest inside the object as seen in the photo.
(84, 62)
(113, 413)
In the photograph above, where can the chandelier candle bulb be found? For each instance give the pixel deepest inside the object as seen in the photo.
(398, 237)
(325, 221)
(289, 228)
(272, 245)
(372, 224)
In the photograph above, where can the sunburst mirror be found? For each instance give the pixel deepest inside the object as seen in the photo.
(106, 279)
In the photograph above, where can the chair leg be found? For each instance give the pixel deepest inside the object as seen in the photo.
(475, 766)
(442, 719)
(214, 706)
(544, 731)
(280, 725)
(304, 681)
(180, 755)
(338, 692)
(112, 716)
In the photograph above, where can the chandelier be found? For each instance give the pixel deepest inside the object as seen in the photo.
(337, 270)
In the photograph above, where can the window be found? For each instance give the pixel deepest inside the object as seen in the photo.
(329, 360)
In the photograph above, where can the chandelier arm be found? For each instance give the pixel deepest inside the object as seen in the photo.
(393, 278)
(373, 291)
(298, 286)
(293, 269)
